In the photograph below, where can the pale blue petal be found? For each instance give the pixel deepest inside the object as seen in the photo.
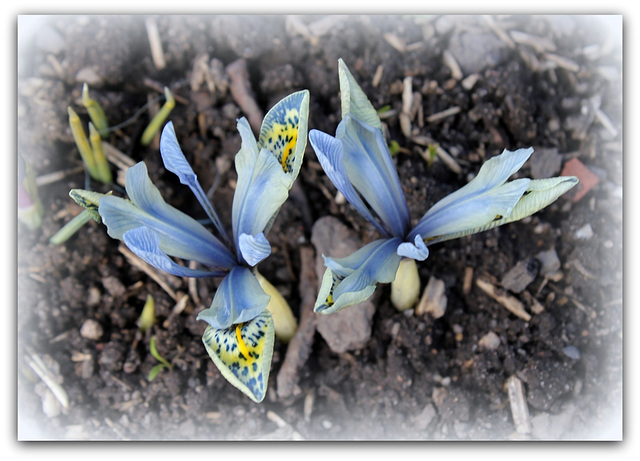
(179, 234)
(249, 142)
(239, 298)
(175, 161)
(146, 244)
(330, 154)
(261, 189)
(353, 277)
(482, 200)
(253, 248)
(353, 100)
(539, 194)
(417, 250)
(371, 171)
(493, 173)
(475, 211)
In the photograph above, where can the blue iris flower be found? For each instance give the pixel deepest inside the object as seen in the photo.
(358, 162)
(240, 334)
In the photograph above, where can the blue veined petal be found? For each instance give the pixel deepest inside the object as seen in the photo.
(249, 142)
(417, 250)
(239, 298)
(253, 248)
(539, 194)
(243, 353)
(284, 132)
(330, 153)
(145, 243)
(175, 161)
(474, 212)
(261, 189)
(484, 199)
(353, 279)
(368, 163)
(179, 234)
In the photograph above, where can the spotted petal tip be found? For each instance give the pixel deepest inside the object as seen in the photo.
(243, 354)
(284, 131)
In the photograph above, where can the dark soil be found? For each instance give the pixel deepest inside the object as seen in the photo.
(417, 377)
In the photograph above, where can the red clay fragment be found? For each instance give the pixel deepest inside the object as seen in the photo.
(588, 180)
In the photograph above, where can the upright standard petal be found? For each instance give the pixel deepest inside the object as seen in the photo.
(179, 234)
(284, 132)
(353, 100)
(486, 198)
(239, 298)
(175, 161)
(253, 248)
(261, 189)
(145, 243)
(371, 171)
(243, 353)
(351, 280)
(330, 153)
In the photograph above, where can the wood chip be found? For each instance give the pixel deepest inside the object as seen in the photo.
(509, 302)
(155, 44)
(56, 176)
(433, 300)
(443, 114)
(407, 94)
(452, 64)
(377, 76)
(519, 407)
(38, 366)
(540, 44)
(502, 35)
(562, 62)
(240, 87)
(300, 345)
(470, 81)
(396, 42)
(468, 280)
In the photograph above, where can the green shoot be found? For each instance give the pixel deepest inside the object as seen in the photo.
(148, 316)
(432, 151)
(102, 167)
(156, 123)
(80, 137)
(163, 362)
(70, 228)
(30, 210)
(394, 147)
(96, 113)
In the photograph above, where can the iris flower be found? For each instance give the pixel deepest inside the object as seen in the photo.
(358, 162)
(240, 333)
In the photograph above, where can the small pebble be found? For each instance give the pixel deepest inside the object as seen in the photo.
(572, 352)
(490, 341)
(585, 232)
(91, 329)
(327, 424)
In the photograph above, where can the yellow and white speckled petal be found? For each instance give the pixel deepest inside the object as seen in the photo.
(284, 132)
(243, 353)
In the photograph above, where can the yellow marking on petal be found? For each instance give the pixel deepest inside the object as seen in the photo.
(243, 353)
(281, 136)
(280, 130)
(243, 347)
